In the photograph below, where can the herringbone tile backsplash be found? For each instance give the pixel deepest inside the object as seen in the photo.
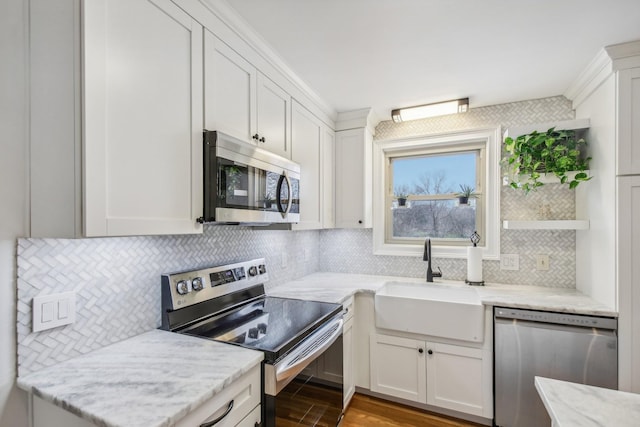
(117, 280)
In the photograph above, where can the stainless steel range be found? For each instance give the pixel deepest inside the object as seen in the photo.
(228, 304)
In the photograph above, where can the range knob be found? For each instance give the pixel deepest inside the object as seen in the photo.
(253, 271)
(262, 269)
(197, 284)
(182, 287)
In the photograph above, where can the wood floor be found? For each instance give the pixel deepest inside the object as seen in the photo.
(367, 411)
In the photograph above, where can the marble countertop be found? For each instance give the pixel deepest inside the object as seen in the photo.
(338, 287)
(579, 405)
(143, 381)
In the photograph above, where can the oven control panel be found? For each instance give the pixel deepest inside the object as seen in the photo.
(191, 287)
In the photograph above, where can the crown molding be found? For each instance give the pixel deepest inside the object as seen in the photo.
(608, 60)
(596, 72)
(362, 118)
(624, 55)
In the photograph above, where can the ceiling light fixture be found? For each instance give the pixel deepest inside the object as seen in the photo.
(430, 110)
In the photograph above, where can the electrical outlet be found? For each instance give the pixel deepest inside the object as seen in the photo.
(509, 262)
(542, 262)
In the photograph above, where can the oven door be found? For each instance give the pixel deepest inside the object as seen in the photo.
(305, 388)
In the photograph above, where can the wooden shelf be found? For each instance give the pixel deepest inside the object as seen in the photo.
(577, 124)
(571, 224)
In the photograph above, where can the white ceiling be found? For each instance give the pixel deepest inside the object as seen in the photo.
(387, 54)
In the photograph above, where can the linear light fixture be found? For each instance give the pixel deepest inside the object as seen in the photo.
(430, 110)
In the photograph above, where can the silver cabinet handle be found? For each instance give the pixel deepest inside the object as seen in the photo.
(217, 420)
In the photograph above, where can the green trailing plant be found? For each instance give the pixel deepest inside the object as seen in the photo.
(555, 152)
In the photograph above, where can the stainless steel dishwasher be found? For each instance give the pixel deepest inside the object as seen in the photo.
(570, 347)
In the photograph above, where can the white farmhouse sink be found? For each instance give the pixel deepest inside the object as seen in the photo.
(431, 309)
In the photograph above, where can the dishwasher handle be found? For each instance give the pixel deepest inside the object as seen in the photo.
(570, 319)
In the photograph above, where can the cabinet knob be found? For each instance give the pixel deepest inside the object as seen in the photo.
(430, 351)
(263, 139)
(359, 221)
(420, 351)
(256, 137)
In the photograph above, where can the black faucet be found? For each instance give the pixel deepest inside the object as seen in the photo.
(427, 257)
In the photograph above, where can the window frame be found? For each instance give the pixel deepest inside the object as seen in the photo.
(479, 185)
(488, 139)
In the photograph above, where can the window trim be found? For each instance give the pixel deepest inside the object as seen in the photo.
(490, 139)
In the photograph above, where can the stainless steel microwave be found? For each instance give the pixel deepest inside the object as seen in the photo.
(246, 184)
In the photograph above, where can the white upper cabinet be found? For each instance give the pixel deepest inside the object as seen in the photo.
(241, 101)
(354, 178)
(629, 122)
(327, 176)
(229, 90)
(142, 118)
(274, 117)
(307, 137)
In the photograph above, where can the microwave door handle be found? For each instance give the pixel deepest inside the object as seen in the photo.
(284, 178)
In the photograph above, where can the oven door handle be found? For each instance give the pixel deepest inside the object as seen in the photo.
(294, 366)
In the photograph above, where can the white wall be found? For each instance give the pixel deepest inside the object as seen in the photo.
(596, 248)
(13, 191)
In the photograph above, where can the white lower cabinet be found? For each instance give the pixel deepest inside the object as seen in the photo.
(443, 375)
(398, 367)
(349, 382)
(245, 411)
(455, 378)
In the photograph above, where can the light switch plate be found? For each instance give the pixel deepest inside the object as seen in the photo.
(509, 262)
(50, 311)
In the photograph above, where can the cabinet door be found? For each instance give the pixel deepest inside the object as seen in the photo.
(328, 177)
(629, 122)
(229, 90)
(348, 375)
(454, 378)
(274, 117)
(628, 272)
(354, 178)
(142, 118)
(306, 151)
(398, 367)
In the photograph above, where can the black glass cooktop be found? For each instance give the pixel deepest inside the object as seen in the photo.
(272, 325)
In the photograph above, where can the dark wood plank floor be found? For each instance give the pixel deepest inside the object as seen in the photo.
(367, 411)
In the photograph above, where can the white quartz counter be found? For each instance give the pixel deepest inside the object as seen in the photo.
(579, 405)
(151, 380)
(337, 287)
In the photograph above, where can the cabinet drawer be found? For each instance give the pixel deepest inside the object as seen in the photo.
(245, 394)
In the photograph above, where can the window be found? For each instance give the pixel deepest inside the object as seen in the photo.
(430, 179)
(416, 195)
